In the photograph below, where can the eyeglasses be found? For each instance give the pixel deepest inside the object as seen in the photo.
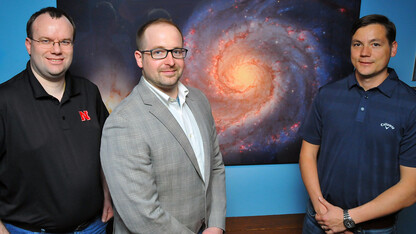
(47, 43)
(160, 53)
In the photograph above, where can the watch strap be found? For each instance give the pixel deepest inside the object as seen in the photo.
(348, 222)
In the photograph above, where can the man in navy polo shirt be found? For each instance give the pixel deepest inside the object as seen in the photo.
(358, 156)
(50, 130)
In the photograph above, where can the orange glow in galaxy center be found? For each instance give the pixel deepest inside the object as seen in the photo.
(243, 77)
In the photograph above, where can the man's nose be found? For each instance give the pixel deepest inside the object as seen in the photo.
(56, 47)
(366, 51)
(169, 59)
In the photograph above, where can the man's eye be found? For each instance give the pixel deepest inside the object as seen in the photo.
(45, 41)
(157, 52)
(376, 44)
(65, 42)
(177, 52)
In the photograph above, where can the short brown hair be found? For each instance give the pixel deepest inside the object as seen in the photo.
(142, 29)
(376, 19)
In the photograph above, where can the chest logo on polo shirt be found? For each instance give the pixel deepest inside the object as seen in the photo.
(387, 125)
(84, 115)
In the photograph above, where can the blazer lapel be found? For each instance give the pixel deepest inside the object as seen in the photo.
(201, 119)
(157, 109)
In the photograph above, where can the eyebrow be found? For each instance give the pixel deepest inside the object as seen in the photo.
(41, 37)
(372, 40)
(163, 47)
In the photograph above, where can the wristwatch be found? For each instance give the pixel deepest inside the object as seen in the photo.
(348, 222)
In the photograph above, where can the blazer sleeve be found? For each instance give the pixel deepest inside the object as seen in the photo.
(127, 167)
(218, 194)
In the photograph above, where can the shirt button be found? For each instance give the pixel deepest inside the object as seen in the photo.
(366, 97)
(63, 117)
(362, 108)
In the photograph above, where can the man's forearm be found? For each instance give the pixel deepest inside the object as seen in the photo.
(3, 229)
(397, 197)
(401, 195)
(309, 172)
(106, 190)
(310, 177)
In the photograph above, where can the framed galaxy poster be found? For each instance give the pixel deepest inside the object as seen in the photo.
(260, 62)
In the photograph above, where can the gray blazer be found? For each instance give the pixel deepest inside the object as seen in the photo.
(152, 171)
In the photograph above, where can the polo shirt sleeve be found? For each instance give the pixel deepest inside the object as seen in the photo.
(102, 111)
(312, 126)
(2, 132)
(407, 156)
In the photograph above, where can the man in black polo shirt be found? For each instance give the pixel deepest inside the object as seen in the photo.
(358, 157)
(50, 130)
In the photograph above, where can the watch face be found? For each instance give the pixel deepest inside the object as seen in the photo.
(349, 223)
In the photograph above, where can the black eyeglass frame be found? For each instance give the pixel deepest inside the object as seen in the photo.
(167, 52)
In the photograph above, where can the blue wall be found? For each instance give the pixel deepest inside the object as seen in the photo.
(13, 18)
(251, 190)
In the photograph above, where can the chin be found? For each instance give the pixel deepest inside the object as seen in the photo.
(364, 72)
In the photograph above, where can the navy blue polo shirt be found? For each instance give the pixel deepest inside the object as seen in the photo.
(364, 136)
(49, 153)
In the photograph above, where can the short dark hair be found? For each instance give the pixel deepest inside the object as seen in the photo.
(54, 13)
(376, 19)
(142, 29)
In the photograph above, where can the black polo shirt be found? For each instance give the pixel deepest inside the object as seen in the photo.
(49, 152)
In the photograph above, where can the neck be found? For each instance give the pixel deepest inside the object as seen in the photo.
(368, 83)
(171, 91)
(54, 87)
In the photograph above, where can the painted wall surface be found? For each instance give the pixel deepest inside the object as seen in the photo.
(251, 190)
(13, 18)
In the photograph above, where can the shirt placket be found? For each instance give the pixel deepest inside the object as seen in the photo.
(363, 106)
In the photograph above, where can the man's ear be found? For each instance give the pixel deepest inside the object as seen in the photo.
(28, 44)
(393, 49)
(139, 56)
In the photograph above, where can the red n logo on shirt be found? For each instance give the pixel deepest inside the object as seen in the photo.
(84, 115)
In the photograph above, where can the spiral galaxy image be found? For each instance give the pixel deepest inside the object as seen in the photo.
(260, 71)
(259, 62)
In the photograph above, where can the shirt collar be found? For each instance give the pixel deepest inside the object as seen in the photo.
(182, 93)
(352, 81)
(386, 87)
(38, 90)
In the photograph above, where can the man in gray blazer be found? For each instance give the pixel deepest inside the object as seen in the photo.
(159, 147)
